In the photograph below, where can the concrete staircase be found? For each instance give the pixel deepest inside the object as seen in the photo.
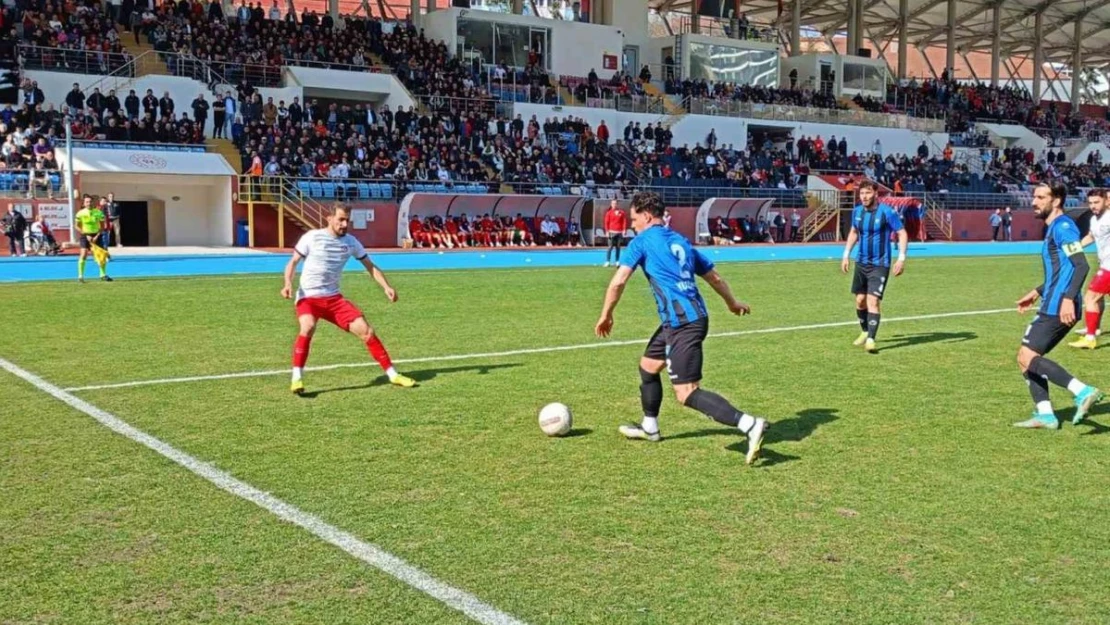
(147, 61)
(849, 103)
(565, 94)
(226, 149)
(672, 109)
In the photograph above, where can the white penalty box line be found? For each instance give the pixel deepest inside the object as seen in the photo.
(370, 554)
(516, 352)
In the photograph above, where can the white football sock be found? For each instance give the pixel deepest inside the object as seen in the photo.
(1045, 408)
(650, 425)
(391, 373)
(747, 422)
(297, 372)
(1076, 387)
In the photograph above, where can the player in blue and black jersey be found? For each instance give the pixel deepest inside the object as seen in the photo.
(873, 223)
(1065, 268)
(672, 267)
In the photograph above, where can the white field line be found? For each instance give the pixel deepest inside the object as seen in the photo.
(515, 352)
(373, 555)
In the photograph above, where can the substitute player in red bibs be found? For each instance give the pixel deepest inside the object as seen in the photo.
(325, 252)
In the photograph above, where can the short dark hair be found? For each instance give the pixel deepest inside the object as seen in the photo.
(650, 203)
(1058, 190)
(1097, 192)
(335, 207)
(869, 184)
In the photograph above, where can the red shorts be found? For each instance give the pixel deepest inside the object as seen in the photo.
(1101, 282)
(335, 308)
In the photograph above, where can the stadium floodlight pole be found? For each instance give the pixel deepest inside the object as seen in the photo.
(69, 177)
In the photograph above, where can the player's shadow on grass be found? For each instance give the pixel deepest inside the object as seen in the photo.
(421, 376)
(790, 430)
(909, 340)
(1093, 427)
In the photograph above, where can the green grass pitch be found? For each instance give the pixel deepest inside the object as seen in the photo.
(892, 489)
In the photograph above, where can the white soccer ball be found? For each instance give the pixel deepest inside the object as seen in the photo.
(555, 419)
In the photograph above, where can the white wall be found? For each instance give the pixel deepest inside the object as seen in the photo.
(1093, 146)
(692, 129)
(630, 18)
(55, 86)
(576, 48)
(390, 90)
(651, 52)
(197, 208)
(1015, 136)
(809, 72)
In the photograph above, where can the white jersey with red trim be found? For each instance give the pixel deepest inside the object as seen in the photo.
(1100, 231)
(325, 256)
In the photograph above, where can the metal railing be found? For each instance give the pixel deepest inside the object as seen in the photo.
(32, 183)
(442, 104)
(32, 57)
(721, 27)
(786, 112)
(99, 144)
(630, 104)
(351, 189)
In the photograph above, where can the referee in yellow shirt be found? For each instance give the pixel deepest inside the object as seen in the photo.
(90, 221)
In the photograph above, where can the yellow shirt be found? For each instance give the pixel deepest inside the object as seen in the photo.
(89, 220)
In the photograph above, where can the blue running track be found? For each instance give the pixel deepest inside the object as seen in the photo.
(34, 269)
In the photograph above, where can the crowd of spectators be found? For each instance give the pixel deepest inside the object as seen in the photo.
(961, 104)
(75, 36)
(29, 136)
(352, 141)
(1024, 168)
(756, 94)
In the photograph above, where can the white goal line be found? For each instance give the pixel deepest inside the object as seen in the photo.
(515, 352)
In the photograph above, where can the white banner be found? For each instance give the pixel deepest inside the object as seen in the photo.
(56, 216)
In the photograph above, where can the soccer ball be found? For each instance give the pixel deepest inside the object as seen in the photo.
(555, 419)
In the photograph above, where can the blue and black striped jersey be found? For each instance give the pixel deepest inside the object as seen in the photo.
(875, 228)
(671, 265)
(1065, 265)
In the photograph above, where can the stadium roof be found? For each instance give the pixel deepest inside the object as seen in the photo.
(928, 20)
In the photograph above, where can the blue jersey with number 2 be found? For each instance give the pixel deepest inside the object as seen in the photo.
(671, 265)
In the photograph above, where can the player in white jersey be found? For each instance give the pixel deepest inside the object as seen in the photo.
(325, 252)
(1099, 287)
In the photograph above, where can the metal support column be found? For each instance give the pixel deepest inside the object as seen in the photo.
(950, 57)
(1077, 64)
(903, 37)
(1038, 55)
(695, 26)
(796, 28)
(996, 43)
(860, 27)
(853, 36)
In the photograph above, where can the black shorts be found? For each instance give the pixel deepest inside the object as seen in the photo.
(85, 240)
(1046, 331)
(870, 280)
(680, 348)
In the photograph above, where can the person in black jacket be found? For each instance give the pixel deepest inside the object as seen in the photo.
(15, 225)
